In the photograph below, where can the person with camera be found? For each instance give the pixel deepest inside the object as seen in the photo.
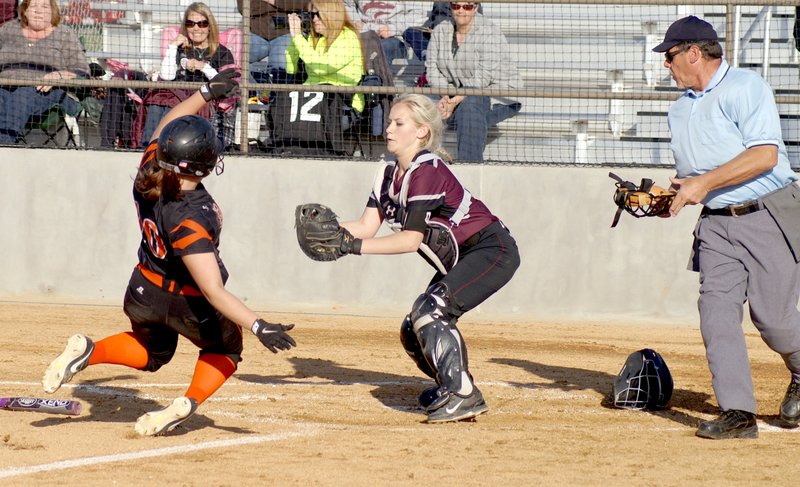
(331, 52)
(328, 48)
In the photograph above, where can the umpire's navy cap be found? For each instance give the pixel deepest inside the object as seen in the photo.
(686, 29)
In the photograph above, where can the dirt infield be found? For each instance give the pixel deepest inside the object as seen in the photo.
(340, 410)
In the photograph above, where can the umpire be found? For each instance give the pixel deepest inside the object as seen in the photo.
(730, 157)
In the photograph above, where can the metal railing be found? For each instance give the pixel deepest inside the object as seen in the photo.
(618, 90)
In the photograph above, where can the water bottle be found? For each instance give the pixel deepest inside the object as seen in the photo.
(377, 120)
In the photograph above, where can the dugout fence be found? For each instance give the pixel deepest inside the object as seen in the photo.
(593, 92)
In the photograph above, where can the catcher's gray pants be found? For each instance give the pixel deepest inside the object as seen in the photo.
(742, 259)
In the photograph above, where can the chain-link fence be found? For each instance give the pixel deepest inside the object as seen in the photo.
(566, 83)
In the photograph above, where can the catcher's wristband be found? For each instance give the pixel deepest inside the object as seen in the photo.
(357, 246)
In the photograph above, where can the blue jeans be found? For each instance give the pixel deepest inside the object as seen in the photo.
(472, 119)
(418, 40)
(154, 115)
(266, 54)
(393, 48)
(17, 106)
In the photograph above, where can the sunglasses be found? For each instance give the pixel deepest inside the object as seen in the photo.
(315, 14)
(670, 55)
(203, 24)
(469, 7)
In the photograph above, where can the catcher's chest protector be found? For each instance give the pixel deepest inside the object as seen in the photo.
(439, 246)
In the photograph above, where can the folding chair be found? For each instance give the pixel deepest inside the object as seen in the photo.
(54, 127)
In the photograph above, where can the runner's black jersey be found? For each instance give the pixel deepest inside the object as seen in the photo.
(170, 229)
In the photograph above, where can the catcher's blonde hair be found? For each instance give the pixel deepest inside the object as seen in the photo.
(425, 113)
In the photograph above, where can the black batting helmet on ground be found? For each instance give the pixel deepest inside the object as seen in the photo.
(643, 383)
(189, 145)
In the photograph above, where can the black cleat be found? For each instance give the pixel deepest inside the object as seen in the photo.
(452, 407)
(732, 423)
(790, 406)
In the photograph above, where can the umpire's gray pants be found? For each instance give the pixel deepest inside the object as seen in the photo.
(745, 259)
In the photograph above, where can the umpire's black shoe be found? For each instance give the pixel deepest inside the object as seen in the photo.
(732, 423)
(790, 406)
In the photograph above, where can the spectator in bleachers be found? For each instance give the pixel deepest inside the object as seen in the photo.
(36, 47)
(471, 52)
(332, 52)
(418, 37)
(196, 55)
(269, 37)
(390, 20)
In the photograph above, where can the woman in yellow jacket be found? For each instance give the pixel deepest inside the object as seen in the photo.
(332, 52)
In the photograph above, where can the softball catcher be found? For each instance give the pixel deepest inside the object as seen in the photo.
(433, 214)
(178, 286)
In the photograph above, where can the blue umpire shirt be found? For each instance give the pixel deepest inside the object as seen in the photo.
(736, 111)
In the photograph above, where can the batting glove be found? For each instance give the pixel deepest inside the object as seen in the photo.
(273, 335)
(221, 86)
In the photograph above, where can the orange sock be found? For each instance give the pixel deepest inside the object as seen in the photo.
(121, 349)
(210, 372)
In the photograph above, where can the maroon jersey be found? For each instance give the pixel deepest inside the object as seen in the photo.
(171, 229)
(428, 198)
(428, 191)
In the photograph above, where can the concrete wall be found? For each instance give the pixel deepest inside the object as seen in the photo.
(69, 234)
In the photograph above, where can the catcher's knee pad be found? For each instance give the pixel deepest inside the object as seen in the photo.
(432, 305)
(441, 342)
(414, 350)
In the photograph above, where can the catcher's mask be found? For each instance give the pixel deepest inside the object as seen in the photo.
(647, 199)
(643, 383)
(189, 145)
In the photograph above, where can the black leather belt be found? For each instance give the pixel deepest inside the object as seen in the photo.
(736, 210)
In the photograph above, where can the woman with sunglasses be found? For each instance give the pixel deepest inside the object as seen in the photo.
(332, 52)
(471, 52)
(196, 55)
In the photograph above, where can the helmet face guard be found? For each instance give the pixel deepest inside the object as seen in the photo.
(643, 383)
(189, 146)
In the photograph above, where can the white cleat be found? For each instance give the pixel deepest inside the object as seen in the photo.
(72, 360)
(165, 420)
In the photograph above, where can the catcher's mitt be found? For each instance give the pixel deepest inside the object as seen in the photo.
(647, 199)
(319, 234)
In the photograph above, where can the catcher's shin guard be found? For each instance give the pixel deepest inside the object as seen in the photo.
(442, 345)
(414, 350)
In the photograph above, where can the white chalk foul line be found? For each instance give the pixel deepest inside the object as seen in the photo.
(157, 452)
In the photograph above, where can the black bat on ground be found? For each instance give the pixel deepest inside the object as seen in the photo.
(52, 406)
